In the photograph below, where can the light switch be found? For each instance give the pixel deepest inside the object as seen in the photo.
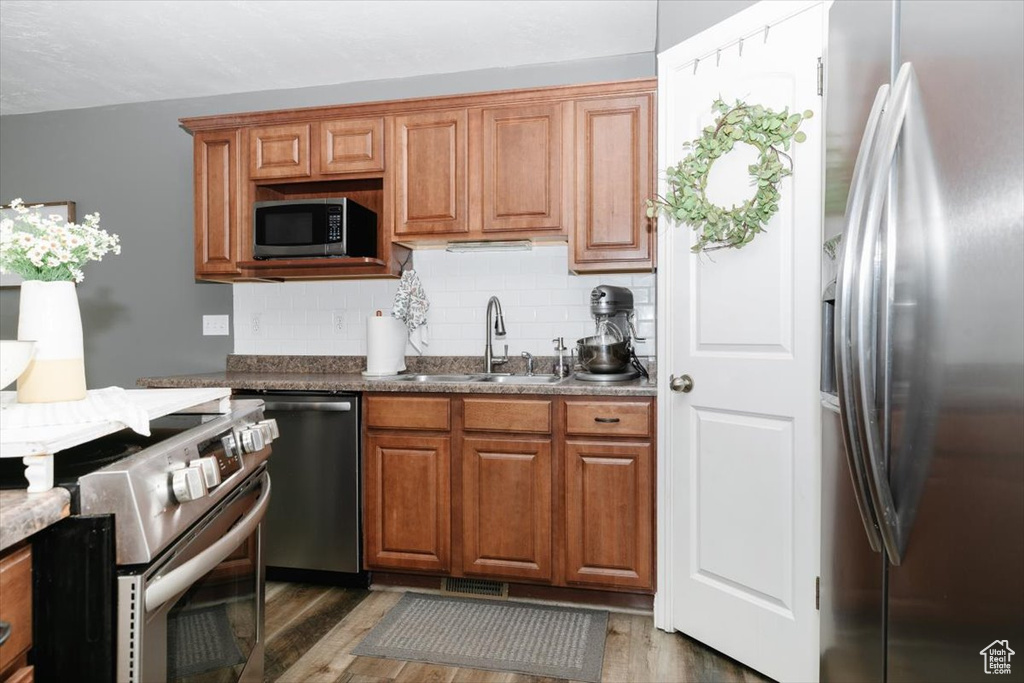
(215, 326)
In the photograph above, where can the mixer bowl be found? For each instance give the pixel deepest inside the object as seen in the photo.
(599, 356)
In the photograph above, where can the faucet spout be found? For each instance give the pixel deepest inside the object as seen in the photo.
(494, 309)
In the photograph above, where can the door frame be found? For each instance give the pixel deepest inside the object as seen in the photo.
(702, 47)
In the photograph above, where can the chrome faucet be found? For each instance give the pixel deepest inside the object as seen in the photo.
(499, 330)
(529, 363)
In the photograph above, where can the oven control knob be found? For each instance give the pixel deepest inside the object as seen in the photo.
(252, 439)
(270, 430)
(187, 484)
(210, 469)
(232, 446)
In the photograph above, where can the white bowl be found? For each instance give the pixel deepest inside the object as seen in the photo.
(14, 358)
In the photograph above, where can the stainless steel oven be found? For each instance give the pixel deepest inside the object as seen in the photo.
(158, 574)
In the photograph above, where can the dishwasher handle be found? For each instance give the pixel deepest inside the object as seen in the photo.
(321, 406)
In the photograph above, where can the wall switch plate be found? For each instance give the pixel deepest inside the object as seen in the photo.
(216, 326)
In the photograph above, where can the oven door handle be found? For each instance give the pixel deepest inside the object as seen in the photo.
(163, 588)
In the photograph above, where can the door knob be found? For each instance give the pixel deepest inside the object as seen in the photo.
(683, 383)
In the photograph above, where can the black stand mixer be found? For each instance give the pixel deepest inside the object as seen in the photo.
(608, 355)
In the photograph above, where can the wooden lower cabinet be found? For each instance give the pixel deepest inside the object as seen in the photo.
(408, 502)
(608, 514)
(532, 489)
(506, 508)
(16, 611)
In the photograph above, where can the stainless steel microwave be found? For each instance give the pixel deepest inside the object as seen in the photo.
(313, 227)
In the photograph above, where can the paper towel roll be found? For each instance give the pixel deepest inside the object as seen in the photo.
(385, 345)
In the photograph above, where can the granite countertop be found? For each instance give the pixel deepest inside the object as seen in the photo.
(23, 514)
(341, 373)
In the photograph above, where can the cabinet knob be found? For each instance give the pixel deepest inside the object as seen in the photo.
(683, 383)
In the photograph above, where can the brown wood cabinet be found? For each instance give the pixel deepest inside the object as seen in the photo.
(569, 163)
(608, 512)
(542, 489)
(217, 202)
(16, 610)
(430, 173)
(614, 178)
(279, 151)
(351, 146)
(506, 508)
(407, 521)
(520, 183)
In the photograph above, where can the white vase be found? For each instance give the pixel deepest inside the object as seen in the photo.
(48, 315)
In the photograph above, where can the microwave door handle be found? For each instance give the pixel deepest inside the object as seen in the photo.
(845, 283)
(866, 360)
(163, 588)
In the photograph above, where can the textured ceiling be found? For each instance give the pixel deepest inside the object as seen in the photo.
(58, 54)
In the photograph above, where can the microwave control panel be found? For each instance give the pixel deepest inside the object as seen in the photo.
(334, 223)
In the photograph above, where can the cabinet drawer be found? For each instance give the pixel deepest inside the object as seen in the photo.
(504, 415)
(279, 151)
(408, 412)
(16, 603)
(608, 418)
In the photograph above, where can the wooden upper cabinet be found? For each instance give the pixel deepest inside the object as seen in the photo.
(217, 202)
(521, 168)
(279, 151)
(506, 508)
(614, 178)
(430, 174)
(352, 146)
(608, 506)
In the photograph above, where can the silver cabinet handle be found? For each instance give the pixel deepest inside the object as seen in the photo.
(866, 359)
(844, 350)
(322, 406)
(682, 384)
(5, 631)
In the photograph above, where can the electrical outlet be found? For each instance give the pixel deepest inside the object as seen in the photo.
(339, 322)
(215, 326)
(254, 325)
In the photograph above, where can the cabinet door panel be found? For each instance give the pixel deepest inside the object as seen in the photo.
(351, 146)
(608, 514)
(279, 151)
(506, 508)
(614, 178)
(522, 162)
(431, 173)
(408, 502)
(217, 201)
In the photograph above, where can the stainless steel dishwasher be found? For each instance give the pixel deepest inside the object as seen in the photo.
(313, 522)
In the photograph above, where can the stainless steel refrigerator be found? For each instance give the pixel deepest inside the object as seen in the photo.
(923, 350)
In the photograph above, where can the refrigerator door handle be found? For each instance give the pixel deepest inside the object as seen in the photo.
(865, 312)
(845, 285)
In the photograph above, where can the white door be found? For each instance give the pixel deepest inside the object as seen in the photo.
(739, 459)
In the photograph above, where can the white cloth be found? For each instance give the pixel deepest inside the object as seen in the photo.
(99, 405)
(411, 306)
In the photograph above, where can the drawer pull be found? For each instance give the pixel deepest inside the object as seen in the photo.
(5, 631)
(606, 420)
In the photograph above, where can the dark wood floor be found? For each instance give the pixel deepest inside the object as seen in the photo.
(311, 631)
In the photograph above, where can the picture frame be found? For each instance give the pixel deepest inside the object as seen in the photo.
(64, 209)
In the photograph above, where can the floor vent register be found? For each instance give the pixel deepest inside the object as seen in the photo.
(474, 588)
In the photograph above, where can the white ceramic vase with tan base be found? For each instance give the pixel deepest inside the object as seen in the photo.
(48, 315)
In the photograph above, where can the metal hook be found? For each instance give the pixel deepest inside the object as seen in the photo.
(741, 47)
(696, 61)
(766, 27)
(718, 57)
(403, 264)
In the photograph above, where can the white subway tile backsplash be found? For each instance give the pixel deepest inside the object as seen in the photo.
(539, 298)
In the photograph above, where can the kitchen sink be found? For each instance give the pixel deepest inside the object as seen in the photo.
(521, 379)
(435, 378)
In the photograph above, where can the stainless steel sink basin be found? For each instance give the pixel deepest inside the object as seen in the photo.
(521, 379)
(435, 378)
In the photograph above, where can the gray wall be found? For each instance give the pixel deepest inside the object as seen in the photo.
(682, 19)
(142, 311)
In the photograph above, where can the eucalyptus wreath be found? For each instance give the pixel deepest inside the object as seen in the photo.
(717, 227)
